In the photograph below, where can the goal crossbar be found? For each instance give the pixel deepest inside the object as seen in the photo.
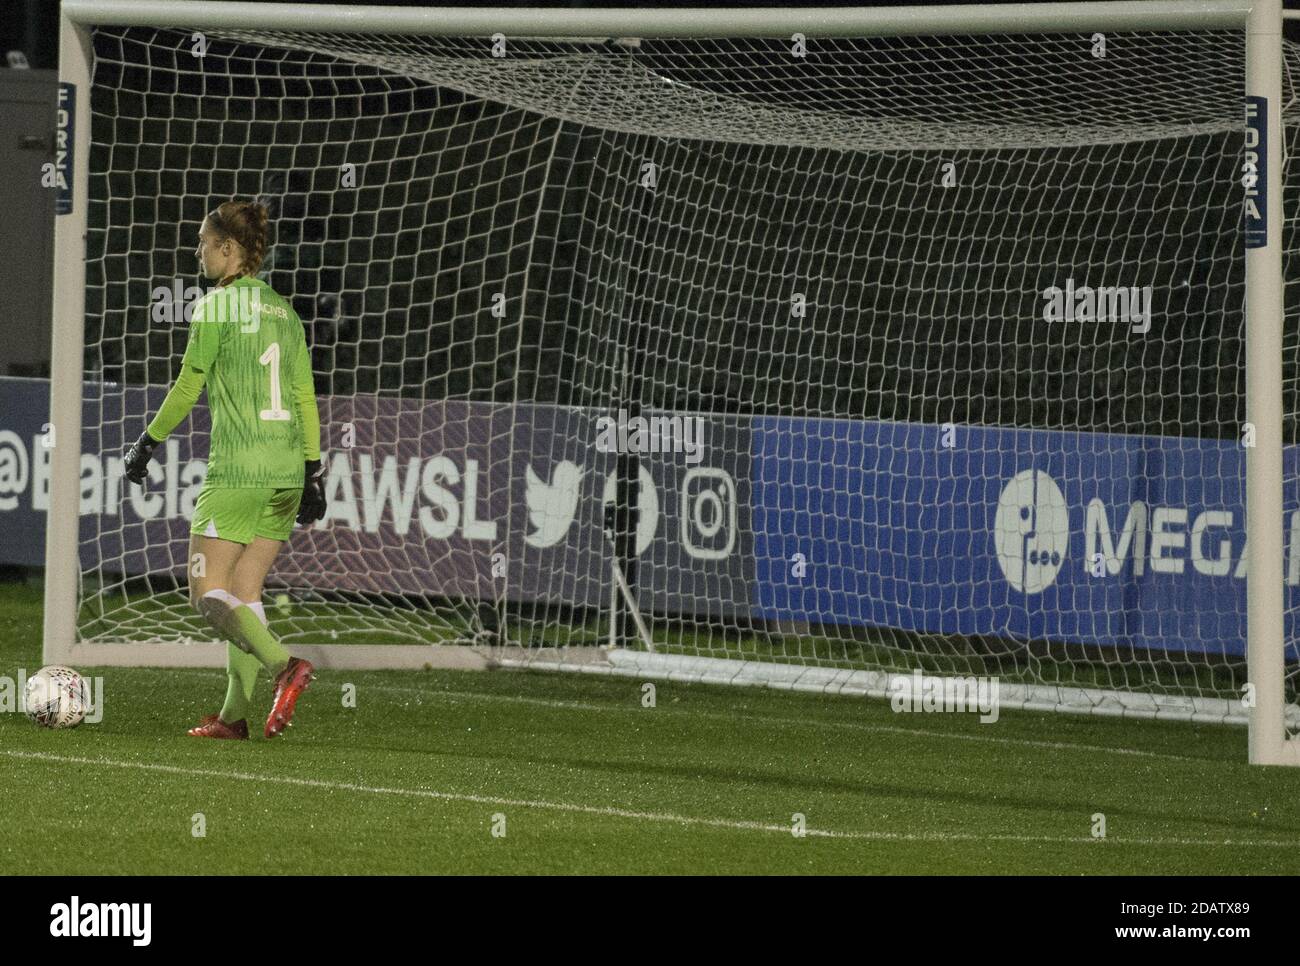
(967, 19)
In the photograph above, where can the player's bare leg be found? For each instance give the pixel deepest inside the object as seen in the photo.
(212, 565)
(251, 567)
(249, 578)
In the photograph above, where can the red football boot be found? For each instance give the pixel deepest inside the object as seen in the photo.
(213, 727)
(289, 684)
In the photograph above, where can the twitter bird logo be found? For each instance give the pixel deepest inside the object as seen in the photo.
(552, 507)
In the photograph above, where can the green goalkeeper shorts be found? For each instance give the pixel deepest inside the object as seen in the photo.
(240, 514)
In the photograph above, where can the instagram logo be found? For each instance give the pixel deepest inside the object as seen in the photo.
(708, 513)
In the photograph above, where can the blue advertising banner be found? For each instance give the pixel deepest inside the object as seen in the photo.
(1027, 534)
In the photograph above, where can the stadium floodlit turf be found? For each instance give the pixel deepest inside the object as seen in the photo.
(582, 778)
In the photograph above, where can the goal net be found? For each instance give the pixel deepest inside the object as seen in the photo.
(911, 353)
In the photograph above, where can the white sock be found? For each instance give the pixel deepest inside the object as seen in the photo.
(257, 608)
(216, 606)
(225, 596)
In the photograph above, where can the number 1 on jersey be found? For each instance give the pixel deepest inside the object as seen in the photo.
(271, 357)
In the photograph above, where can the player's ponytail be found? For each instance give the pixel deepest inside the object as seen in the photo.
(247, 223)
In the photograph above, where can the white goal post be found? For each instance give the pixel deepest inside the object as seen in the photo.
(509, 124)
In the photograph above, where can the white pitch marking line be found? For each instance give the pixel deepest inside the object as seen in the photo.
(768, 719)
(612, 812)
(759, 718)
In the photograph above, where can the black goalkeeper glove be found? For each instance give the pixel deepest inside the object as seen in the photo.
(312, 507)
(138, 456)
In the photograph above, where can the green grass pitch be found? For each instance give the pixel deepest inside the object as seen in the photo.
(581, 778)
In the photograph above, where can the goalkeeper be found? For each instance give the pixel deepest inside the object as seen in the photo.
(246, 345)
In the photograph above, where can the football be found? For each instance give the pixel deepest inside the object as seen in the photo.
(56, 697)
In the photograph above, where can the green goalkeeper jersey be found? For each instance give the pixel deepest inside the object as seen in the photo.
(247, 344)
